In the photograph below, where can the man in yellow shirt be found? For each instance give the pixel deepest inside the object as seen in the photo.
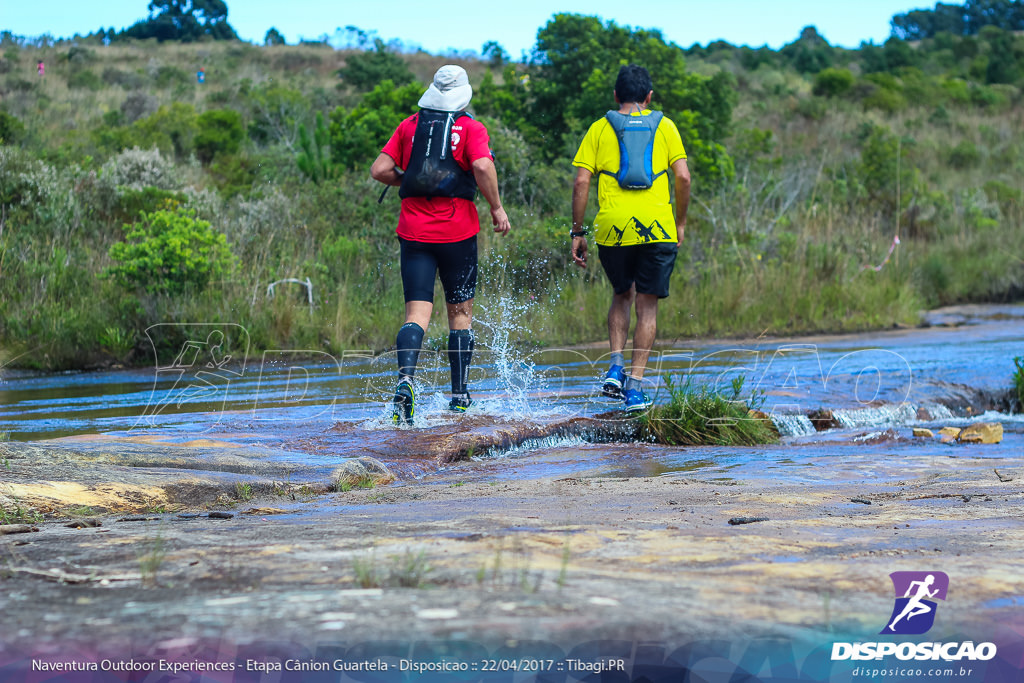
(635, 153)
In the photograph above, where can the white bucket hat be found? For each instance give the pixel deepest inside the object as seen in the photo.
(450, 90)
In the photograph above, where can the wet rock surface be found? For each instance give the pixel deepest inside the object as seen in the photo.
(489, 552)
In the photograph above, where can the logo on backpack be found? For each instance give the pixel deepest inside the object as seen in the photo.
(432, 171)
(636, 149)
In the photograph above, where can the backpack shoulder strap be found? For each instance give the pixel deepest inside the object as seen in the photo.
(618, 123)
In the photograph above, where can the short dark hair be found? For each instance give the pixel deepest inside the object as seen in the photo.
(633, 83)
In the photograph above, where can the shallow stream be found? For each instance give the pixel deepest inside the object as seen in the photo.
(956, 370)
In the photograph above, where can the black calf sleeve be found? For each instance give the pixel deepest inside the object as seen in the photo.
(408, 343)
(460, 354)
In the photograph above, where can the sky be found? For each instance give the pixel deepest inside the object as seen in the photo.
(465, 26)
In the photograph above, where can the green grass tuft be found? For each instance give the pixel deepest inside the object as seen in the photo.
(408, 570)
(697, 415)
(20, 515)
(243, 491)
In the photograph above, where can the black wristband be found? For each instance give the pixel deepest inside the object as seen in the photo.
(582, 233)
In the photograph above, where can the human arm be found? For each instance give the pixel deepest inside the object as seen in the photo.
(385, 170)
(682, 174)
(580, 195)
(487, 180)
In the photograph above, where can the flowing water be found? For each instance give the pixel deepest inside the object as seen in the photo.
(954, 371)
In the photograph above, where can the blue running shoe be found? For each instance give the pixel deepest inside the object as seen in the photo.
(403, 404)
(460, 403)
(637, 401)
(613, 381)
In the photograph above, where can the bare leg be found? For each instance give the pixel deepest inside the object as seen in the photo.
(618, 320)
(418, 312)
(460, 315)
(643, 336)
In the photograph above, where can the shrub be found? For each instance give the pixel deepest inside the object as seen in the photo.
(170, 76)
(169, 252)
(15, 168)
(276, 113)
(84, 79)
(883, 157)
(148, 199)
(365, 70)
(886, 99)
(171, 128)
(16, 83)
(811, 108)
(989, 97)
(1006, 196)
(129, 80)
(356, 136)
(233, 174)
(138, 105)
(80, 55)
(833, 82)
(135, 169)
(220, 133)
(956, 90)
(11, 129)
(964, 155)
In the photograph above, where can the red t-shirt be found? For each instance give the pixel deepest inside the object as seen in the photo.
(440, 219)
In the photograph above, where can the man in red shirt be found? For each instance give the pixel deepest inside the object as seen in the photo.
(439, 157)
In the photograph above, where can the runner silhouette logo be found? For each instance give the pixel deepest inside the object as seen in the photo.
(916, 593)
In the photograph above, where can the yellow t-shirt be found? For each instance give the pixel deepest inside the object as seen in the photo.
(627, 217)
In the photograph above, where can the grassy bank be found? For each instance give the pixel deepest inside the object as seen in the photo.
(790, 243)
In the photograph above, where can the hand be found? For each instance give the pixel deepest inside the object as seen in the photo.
(681, 232)
(500, 220)
(579, 251)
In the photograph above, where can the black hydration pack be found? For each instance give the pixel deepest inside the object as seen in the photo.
(432, 171)
(636, 148)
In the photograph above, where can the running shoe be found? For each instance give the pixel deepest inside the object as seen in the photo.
(612, 387)
(636, 401)
(460, 403)
(403, 404)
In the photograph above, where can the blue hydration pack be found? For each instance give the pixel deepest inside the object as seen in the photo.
(636, 148)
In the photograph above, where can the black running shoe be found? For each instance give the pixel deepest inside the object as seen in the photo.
(403, 404)
(460, 403)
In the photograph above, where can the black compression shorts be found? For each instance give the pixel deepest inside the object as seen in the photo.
(454, 261)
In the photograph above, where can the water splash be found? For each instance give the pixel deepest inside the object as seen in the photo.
(877, 416)
(528, 446)
(793, 424)
(936, 412)
(513, 377)
(503, 380)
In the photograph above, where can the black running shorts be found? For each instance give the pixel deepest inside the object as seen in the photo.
(455, 262)
(649, 266)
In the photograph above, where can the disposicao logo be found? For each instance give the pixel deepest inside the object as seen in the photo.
(914, 614)
(916, 592)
